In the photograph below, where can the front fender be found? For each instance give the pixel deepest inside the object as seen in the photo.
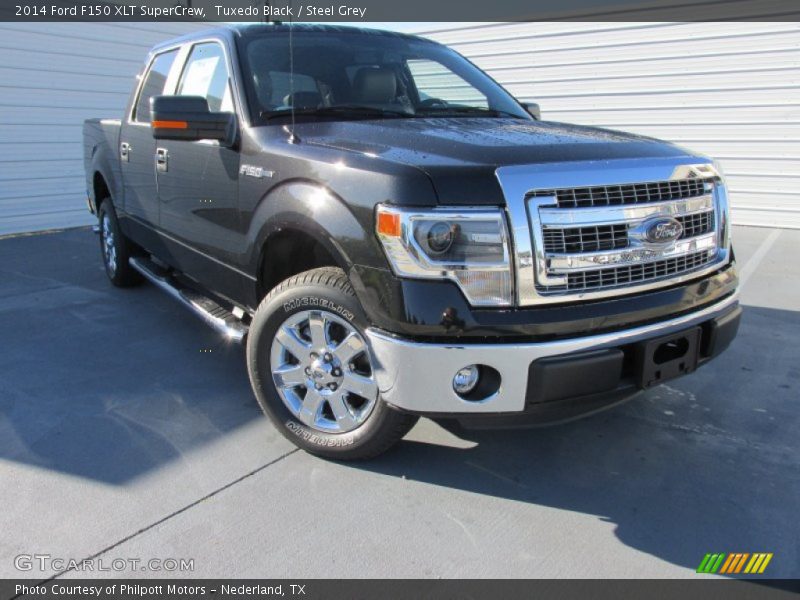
(309, 207)
(313, 209)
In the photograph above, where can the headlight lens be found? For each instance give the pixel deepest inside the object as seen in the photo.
(468, 246)
(436, 238)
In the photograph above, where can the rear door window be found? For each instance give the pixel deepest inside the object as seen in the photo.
(154, 83)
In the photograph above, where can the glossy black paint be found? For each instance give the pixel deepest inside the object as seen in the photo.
(211, 222)
(437, 310)
(460, 155)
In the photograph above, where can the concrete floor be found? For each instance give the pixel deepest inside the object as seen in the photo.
(128, 430)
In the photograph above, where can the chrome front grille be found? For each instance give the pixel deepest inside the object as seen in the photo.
(610, 249)
(607, 228)
(696, 224)
(635, 193)
(569, 240)
(638, 273)
(586, 239)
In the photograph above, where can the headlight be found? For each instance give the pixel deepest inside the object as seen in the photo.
(468, 246)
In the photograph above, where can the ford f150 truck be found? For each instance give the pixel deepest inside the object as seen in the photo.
(392, 234)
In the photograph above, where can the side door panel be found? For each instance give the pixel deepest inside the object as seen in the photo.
(198, 183)
(137, 146)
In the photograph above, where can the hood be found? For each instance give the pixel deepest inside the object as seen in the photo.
(460, 155)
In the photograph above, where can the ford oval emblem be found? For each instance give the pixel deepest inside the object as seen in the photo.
(662, 230)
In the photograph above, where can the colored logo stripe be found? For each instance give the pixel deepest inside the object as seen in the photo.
(735, 563)
(710, 563)
(758, 563)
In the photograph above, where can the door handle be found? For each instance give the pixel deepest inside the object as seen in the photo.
(162, 159)
(125, 151)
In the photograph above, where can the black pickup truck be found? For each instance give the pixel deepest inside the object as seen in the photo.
(392, 234)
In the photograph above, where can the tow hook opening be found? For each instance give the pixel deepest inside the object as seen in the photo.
(671, 350)
(661, 359)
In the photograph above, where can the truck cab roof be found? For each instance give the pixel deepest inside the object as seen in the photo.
(232, 31)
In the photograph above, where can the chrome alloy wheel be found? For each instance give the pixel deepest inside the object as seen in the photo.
(323, 371)
(109, 250)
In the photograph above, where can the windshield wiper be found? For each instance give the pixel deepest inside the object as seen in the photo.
(466, 110)
(356, 110)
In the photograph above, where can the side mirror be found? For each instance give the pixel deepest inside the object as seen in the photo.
(533, 110)
(188, 118)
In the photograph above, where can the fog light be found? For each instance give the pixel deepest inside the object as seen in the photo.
(466, 379)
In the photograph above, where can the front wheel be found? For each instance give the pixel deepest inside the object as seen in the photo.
(312, 372)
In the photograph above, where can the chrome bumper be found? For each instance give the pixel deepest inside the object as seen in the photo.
(418, 376)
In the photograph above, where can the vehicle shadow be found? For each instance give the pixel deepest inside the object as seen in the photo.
(709, 463)
(103, 383)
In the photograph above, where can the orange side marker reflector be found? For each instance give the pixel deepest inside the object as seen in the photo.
(389, 224)
(170, 124)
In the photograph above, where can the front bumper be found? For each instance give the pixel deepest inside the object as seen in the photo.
(578, 374)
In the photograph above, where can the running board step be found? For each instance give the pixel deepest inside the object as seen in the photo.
(219, 318)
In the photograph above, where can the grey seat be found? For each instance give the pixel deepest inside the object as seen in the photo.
(303, 99)
(373, 85)
(263, 86)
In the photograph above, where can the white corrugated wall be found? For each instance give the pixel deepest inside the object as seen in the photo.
(52, 77)
(727, 89)
(730, 90)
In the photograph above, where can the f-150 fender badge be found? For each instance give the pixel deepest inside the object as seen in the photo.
(257, 172)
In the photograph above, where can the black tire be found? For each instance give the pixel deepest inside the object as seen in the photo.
(115, 248)
(312, 290)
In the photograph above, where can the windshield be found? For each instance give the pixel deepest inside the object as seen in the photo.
(355, 74)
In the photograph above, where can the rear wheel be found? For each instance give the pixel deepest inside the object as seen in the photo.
(115, 248)
(312, 371)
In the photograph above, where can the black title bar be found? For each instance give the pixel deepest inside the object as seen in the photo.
(414, 589)
(409, 10)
